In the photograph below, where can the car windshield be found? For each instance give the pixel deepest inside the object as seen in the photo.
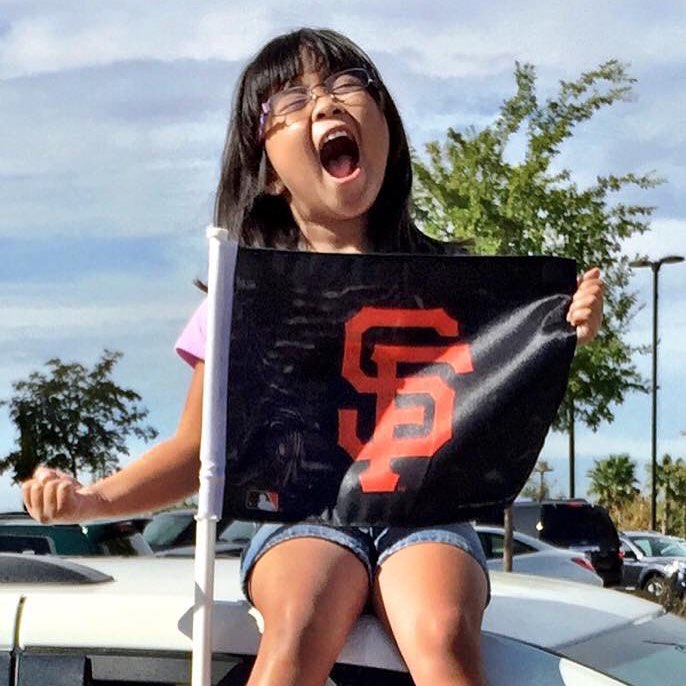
(643, 654)
(573, 525)
(659, 546)
(164, 528)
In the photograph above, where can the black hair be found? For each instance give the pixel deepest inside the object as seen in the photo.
(257, 218)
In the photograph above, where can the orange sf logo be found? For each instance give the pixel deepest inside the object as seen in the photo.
(388, 388)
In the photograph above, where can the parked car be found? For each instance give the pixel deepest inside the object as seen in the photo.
(173, 531)
(653, 562)
(117, 622)
(575, 524)
(234, 537)
(531, 556)
(19, 533)
(172, 534)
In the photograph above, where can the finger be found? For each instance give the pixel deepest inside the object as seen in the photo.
(585, 301)
(45, 474)
(592, 273)
(36, 500)
(49, 504)
(591, 278)
(65, 497)
(580, 316)
(591, 286)
(26, 495)
(583, 335)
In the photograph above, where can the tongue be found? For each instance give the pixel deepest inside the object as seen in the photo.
(341, 166)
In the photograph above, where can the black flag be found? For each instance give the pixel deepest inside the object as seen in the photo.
(390, 389)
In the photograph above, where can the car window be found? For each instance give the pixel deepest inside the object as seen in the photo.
(238, 531)
(674, 549)
(643, 545)
(626, 549)
(133, 544)
(656, 546)
(39, 545)
(526, 518)
(65, 539)
(570, 525)
(495, 545)
(164, 528)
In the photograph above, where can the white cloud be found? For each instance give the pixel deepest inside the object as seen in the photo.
(453, 39)
(666, 237)
(71, 37)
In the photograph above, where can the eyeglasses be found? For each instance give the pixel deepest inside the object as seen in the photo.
(339, 86)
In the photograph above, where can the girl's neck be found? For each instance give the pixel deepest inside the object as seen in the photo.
(346, 237)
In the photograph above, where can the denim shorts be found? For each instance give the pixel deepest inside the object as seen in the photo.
(371, 545)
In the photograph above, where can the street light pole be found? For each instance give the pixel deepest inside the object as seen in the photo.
(655, 267)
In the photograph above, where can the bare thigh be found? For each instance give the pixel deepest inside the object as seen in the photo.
(431, 596)
(309, 591)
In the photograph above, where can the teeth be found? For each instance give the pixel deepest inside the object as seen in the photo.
(340, 133)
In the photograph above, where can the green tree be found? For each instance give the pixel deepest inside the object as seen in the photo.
(614, 482)
(671, 480)
(73, 418)
(469, 188)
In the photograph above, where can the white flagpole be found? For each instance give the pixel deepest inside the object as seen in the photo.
(222, 263)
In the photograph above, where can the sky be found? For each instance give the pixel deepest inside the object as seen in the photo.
(113, 121)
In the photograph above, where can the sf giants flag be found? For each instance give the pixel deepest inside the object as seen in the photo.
(390, 389)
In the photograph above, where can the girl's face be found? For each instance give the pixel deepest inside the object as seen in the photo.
(329, 158)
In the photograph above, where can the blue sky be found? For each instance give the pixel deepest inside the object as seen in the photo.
(113, 120)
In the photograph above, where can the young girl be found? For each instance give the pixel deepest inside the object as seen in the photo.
(316, 159)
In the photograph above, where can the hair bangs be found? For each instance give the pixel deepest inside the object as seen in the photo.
(286, 58)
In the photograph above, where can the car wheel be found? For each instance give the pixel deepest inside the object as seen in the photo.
(655, 585)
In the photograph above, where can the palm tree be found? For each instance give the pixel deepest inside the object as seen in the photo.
(671, 479)
(613, 480)
(538, 488)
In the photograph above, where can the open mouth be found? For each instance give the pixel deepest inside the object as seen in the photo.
(340, 154)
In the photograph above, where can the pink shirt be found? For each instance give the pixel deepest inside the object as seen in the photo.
(190, 345)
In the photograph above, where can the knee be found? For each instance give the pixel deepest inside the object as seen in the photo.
(291, 625)
(449, 631)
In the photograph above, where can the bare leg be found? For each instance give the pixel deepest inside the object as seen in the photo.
(432, 597)
(309, 592)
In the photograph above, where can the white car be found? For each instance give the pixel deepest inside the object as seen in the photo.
(129, 621)
(531, 556)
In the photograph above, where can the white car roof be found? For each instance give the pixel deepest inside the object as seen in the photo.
(149, 606)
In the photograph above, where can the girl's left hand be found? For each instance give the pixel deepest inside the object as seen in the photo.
(586, 311)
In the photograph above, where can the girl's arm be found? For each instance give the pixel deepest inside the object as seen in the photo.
(165, 474)
(586, 311)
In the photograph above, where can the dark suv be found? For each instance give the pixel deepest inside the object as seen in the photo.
(575, 524)
(21, 534)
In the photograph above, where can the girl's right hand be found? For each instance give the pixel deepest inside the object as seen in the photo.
(52, 496)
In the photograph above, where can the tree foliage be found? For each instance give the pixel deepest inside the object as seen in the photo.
(469, 188)
(614, 481)
(73, 418)
(671, 481)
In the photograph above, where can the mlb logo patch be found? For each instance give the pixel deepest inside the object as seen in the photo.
(265, 501)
